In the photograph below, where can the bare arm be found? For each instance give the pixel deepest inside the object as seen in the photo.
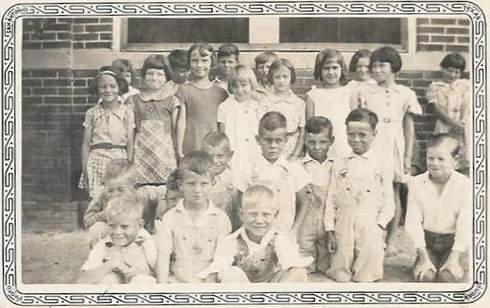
(302, 207)
(181, 127)
(442, 115)
(409, 134)
(310, 108)
(298, 149)
(87, 136)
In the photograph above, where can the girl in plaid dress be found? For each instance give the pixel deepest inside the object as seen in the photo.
(108, 128)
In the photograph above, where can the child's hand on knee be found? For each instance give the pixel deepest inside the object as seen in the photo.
(331, 242)
(423, 266)
(453, 266)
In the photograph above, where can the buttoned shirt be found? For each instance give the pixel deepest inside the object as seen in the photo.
(190, 243)
(364, 182)
(109, 126)
(283, 177)
(446, 212)
(291, 106)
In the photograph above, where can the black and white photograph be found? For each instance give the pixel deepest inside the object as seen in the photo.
(244, 153)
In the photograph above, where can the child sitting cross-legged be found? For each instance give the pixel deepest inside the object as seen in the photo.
(439, 213)
(258, 251)
(188, 233)
(128, 254)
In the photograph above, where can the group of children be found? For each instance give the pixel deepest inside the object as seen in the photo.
(234, 178)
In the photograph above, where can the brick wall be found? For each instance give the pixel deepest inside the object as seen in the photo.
(77, 33)
(443, 34)
(54, 100)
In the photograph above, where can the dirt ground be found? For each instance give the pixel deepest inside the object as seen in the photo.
(54, 249)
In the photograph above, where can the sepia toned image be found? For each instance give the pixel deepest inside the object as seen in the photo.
(244, 153)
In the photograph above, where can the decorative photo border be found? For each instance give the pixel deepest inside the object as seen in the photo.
(10, 139)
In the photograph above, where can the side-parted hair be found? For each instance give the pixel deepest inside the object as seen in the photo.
(363, 115)
(454, 60)
(128, 204)
(256, 194)
(326, 55)
(316, 125)
(227, 50)
(278, 64)
(361, 53)
(265, 57)
(123, 65)
(214, 139)
(271, 121)
(111, 71)
(158, 62)
(117, 167)
(242, 72)
(438, 139)
(386, 54)
(178, 59)
(198, 162)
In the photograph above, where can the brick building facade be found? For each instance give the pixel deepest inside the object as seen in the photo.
(61, 56)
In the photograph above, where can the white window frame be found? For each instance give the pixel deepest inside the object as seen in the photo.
(260, 39)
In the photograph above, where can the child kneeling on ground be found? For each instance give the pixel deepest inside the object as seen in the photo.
(258, 251)
(128, 254)
(439, 213)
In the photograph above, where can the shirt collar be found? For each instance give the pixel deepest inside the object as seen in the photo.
(119, 111)
(159, 95)
(281, 161)
(367, 155)
(211, 210)
(291, 98)
(308, 158)
(142, 236)
(264, 241)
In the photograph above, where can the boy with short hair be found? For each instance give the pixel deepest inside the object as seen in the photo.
(320, 166)
(228, 59)
(119, 177)
(263, 62)
(288, 180)
(128, 254)
(223, 192)
(178, 59)
(187, 233)
(258, 251)
(361, 205)
(439, 213)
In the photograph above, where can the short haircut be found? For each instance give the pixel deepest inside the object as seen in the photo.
(111, 71)
(361, 53)
(323, 56)
(256, 194)
(227, 50)
(438, 139)
(214, 139)
(280, 63)
(178, 59)
(454, 60)
(204, 50)
(124, 65)
(242, 72)
(271, 121)
(363, 115)
(128, 204)
(155, 61)
(172, 181)
(265, 57)
(386, 54)
(117, 167)
(198, 162)
(316, 125)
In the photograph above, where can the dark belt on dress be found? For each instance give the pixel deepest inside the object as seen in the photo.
(107, 146)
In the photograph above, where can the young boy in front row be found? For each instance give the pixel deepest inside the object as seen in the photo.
(311, 238)
(360, 206)
(128, 254)
(188, 233)
(288, 180)
(258, 251)
(439, 213)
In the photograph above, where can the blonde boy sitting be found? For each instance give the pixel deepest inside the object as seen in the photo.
(128, 254)
(439, 213)
(258, 251)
